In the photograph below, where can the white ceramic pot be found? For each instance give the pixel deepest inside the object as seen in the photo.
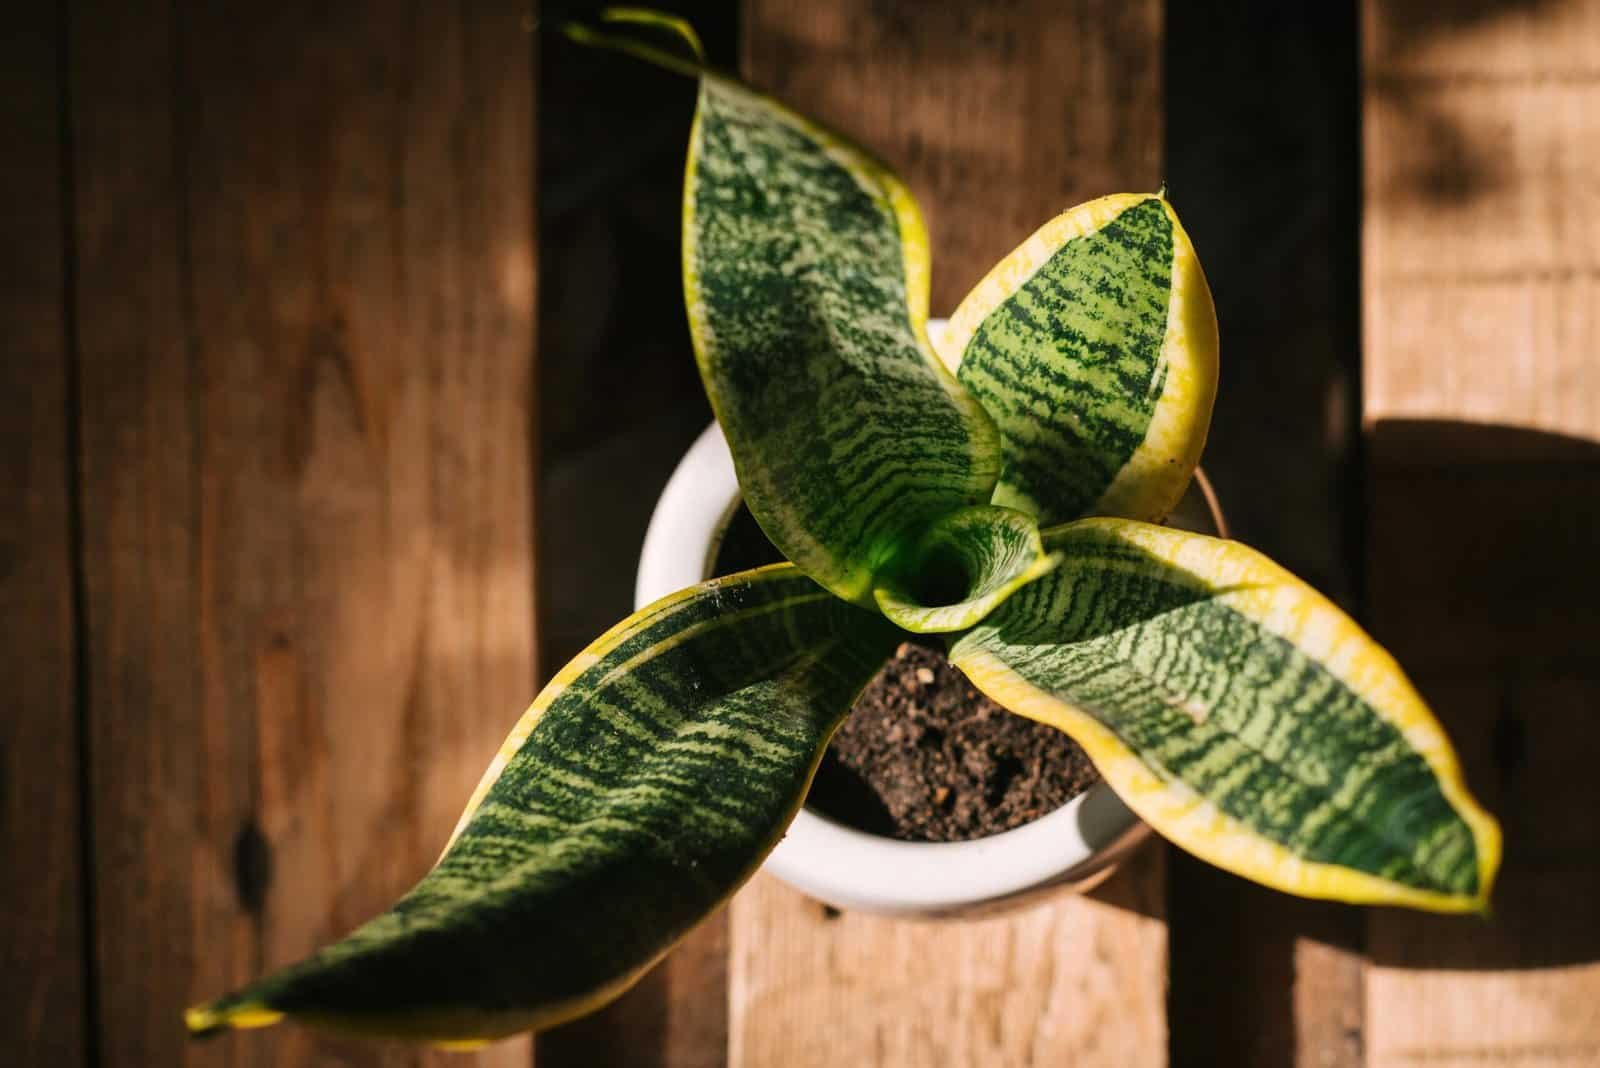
(1076, 846)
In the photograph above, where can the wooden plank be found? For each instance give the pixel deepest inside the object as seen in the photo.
(305, 311)
(999, 116)
(1481, 235)
(1078, 981)
(42, 983)
(1262, 98)
(1483, 412)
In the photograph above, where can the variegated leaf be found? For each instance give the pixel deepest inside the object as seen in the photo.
(1241, 714)
(644, 785)
(1093, 347)
(806, 277)
(962, 567)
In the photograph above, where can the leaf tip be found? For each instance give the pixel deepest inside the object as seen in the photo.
(575, 29)
(216, 1016)
(643, 16)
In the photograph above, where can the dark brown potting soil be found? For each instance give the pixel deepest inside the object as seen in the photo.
(924, 756)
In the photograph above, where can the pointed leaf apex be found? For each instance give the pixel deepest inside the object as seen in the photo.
(215, 1016)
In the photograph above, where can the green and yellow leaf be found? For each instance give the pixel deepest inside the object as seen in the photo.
(643, 786)
(1093, 347)
(964, 566)
(805, 270)
(1241, 715)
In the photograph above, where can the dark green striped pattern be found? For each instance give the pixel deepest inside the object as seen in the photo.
(649, 789)
(1069, 366)
(847, 434)
(1206, 697)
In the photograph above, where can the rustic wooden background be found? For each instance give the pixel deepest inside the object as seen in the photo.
(267, 583)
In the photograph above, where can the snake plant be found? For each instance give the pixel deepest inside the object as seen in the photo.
(1001, 492)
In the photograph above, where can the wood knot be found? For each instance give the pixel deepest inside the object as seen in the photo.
(252, 867)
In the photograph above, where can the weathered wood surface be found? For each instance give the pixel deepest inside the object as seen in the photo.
(1482, 403)
(1073, 980)
(295, 249)
(42, 963)
(999, 117)
(305, 316)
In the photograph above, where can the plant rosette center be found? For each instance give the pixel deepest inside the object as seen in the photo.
(961, 568)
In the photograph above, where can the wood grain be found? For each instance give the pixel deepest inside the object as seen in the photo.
(999, 116)
(1483, 413)
(42, 962)
(1076, 982)
(1483, 220)
(305, 297)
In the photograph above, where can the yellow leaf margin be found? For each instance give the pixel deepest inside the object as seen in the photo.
(1150, 483)
(883, 185)
(1267, 594)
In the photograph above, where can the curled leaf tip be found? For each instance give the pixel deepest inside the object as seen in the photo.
(963, 568)
(215, 1017)
(623, 18)
(644, 16)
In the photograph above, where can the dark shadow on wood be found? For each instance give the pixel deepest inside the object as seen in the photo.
(1136, 885)
(1487, 536)
(620, 402)
(1446, 162)
(47, 987)
(1262, 162)
(630, 1031)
